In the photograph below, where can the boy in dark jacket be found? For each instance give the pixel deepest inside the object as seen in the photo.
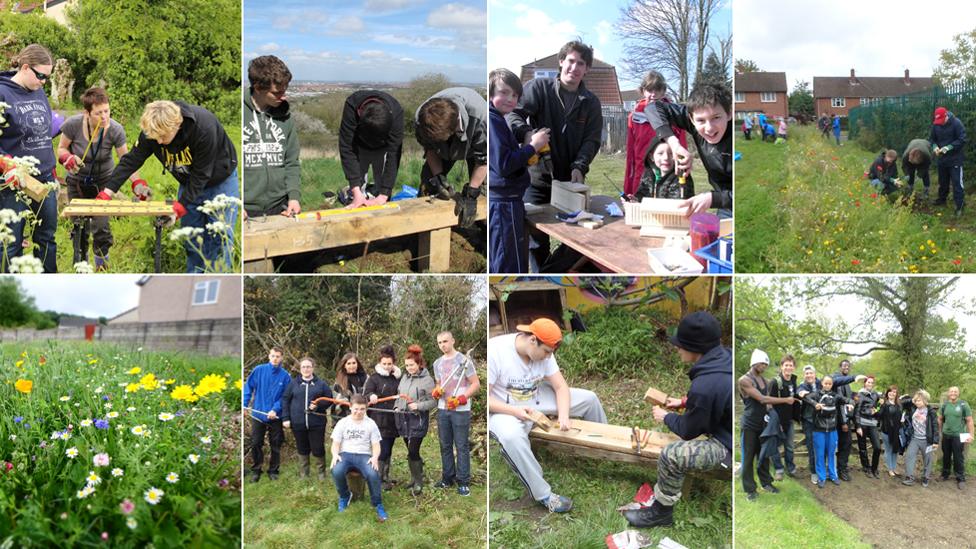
(884, 171)
(306, 419)
(660, 179)
(370, 135)
(708, 411)
(451, 126)
(708, 118)
(266, 383)
(271, 166)
(784, 385)
(948, 136)
(508, 177)
(191, 145)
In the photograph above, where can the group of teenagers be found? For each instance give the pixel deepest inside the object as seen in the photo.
(524, 378)
(945, 146)
(767, 132)
(831, 412)
(188, 141)
(450, 126)
(369, 412)
(550, 128)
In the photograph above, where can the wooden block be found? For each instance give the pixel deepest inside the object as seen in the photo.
(591, 224)
(435, 251)
(34, 188)
(540, 420)
(653, 396)
(570, 197)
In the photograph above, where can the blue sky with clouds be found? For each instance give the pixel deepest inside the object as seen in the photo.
(521, 31)
(370, 40)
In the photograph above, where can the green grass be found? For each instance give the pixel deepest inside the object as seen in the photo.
(606, 175)
(291, 512)
(135, 236)
(76, 383)
(806, 207)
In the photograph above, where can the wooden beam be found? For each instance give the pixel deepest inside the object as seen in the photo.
(86, 207)
(434, 249)
(274, 236)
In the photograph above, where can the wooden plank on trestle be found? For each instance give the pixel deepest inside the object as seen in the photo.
(603, 436)
(275, 236)
(86, 207)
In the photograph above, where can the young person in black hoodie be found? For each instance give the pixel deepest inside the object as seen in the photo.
(890, 418)
(708, 411)
(307, 420)
(384, 382)
(808, 412)
(26, 132)
(844, 428)
(370, 135)
(193, 147)
(350, 379)
(660, 178)
(867, 402)
(707, 116)
(884, 171)
(829, 409)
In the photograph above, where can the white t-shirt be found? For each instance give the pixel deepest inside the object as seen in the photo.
(356, 438)
(444, 367)
(512, 380)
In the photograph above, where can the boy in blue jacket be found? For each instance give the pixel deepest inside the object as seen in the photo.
(708, 412)
(266, 383)
(508, 177)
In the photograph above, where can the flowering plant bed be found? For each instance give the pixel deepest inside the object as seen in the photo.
(103, 444)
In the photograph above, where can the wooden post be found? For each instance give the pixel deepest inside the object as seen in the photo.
(435, 251)
(259, 266)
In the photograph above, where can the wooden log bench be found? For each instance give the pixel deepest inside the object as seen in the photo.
(430, 219)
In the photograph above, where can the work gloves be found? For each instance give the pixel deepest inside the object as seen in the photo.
(140, 188)
(466, 207)
(438, 187)
(70, 162)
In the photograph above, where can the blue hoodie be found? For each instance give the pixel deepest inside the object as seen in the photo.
(508, 174)
(708, 410)
(28, 128)
(266, 383)
(951, 133)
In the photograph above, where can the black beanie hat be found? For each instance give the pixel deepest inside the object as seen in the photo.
(699, 332)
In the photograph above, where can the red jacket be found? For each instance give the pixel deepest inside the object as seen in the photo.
(640, 133)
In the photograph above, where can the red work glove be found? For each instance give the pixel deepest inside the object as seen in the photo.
(69, 161)
(140, 188)
(7, 168)
(462, 400)
(452, 403)
(102, 195)
(179, 210)
(438, 392)
(10, 178)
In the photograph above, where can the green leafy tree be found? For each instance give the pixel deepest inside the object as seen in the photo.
(713, 72)
(801, 101)
(959, 62)
(746, 65)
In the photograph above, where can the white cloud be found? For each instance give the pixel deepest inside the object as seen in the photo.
(349, 24)
(458, 16)
(604, 32)
(372, 53)
(389, 5)
(416, 41)
(269, 47)
(534, 35)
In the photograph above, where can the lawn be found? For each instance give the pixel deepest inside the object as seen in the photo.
(702, 517)
(103, 444)
(805, 206)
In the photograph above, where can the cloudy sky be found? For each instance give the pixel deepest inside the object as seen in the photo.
(830, 37)
(86, 295)
(370, 40)
(521, 31)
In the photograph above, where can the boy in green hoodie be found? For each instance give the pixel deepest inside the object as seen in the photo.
(272, 174)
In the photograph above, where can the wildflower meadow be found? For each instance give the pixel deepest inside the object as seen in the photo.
(100, 444)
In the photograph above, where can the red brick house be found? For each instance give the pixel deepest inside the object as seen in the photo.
(760, 92)
(601, 79)
(839, 94)
(630, 98)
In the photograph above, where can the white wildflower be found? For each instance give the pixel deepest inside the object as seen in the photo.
(83, 267)
(26, 264)
(185, 233)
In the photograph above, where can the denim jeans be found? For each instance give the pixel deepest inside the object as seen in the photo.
(787, 451)
(890, 456)
(217, 254)
(359, 462)
(452, 432)
(47, 214)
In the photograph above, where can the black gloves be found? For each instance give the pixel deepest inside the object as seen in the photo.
(437, 186)
(467, 205)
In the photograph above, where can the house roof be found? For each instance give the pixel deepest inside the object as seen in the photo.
(74, 320)
(123, 313)
(631, 95)
(868, 86)
(760, 82)
(601, 79)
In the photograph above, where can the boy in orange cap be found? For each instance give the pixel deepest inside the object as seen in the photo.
(523, 377)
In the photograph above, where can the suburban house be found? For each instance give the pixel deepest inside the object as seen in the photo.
(839, 94)
(601, 79)
(630, 99)
(55, 9)
(761, 92)
(183, 298)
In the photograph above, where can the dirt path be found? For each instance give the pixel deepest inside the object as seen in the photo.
(891, 515)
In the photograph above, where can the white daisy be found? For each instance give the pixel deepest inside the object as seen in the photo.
(153, 495)
(194, 458)
(172, 478)
(112, 415)
(71, 452)
(117, 472)
(86, 423)
(165, 416)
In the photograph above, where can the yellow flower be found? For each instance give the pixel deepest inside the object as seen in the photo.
(19, 363)
(239, 384)
(24, 386)
(210, 384)
(149, 382)
(93, 361)
(184, 392)
(132, 387)
(134, 370)
(170, 381)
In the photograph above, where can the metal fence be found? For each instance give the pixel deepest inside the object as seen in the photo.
(892, 122)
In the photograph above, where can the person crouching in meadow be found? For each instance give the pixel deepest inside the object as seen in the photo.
(356, 446)
(884, 172)
(660, 179)
(415, 404)
(306, 419)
